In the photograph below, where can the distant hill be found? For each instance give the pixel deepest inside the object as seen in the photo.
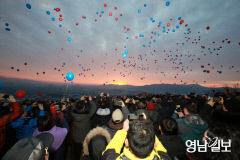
(56, 90)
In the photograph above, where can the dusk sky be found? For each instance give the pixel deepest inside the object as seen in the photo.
(134, 42)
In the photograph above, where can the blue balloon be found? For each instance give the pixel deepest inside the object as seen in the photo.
(53, 19)
(145, 5)
(126, 51)
(69, 39)
(97, 13)
(28, 6)
(18, 70)
(139, 11)
(179, 18)
(7, 29)
(204, 70)
(102, 12)
(1, 85)
(177, 27)
(60, 25)
(167, 3)
(70, 76)
(12, 67)
(124, 55)
(160, 22)
(48, 12)
(6, 24)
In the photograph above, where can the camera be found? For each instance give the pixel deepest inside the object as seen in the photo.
(132, 117)
(6, 96)
(178, 108)
(216, 99)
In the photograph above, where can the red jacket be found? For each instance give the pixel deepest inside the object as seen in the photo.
(16, 109)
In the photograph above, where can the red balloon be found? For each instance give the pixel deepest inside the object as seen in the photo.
(39, 94)
(57, 9)
(105, 4)
(20, 94)
(116, 19)
(207, 28)
(110, 13)
(168, 25)
(181, 22)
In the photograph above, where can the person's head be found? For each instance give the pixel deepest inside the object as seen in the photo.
(80, 107)
(45, 123)
(103, 102)
(168, 126)
(211, 136)
(141, 105)
(190, 108)
(117, 116)
(141, 137)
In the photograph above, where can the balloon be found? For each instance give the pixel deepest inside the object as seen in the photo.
(58, 9)
(7, 29)
(12, 67)
(69, 39)
(70, 76)
(1, 85)
(105, 4)
(145, 5)
(168, 25)
(139, 11)
(20, 94)
(28, 6)
(167, 3)
(6, 24)
(116, 19)
(48, 12)
(207, 28)
(39, 94)
(110, 13)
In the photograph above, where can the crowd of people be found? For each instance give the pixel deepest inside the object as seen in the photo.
(105, 127)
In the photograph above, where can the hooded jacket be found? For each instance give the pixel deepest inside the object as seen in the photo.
(191, 127)
(113, 149)
(82, 124)
(96, 146)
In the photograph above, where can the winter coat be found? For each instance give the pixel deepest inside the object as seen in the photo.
(95, 143)
(174, 145)
(25, 130)
(191, 127)
(58, 133)
(81, 124)
(5, 120)
(113, 149)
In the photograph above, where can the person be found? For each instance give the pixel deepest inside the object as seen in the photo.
(81, 125)
(191, 125)
(8, 118)
(103, 113)
(119, 115)
(140, 143)
(27, 123)
(46, 124)
(31, 148)
(94, 143)
(168, 135)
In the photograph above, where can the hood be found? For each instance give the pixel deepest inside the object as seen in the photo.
(94, 132)
(103, 112)
(195, 122)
